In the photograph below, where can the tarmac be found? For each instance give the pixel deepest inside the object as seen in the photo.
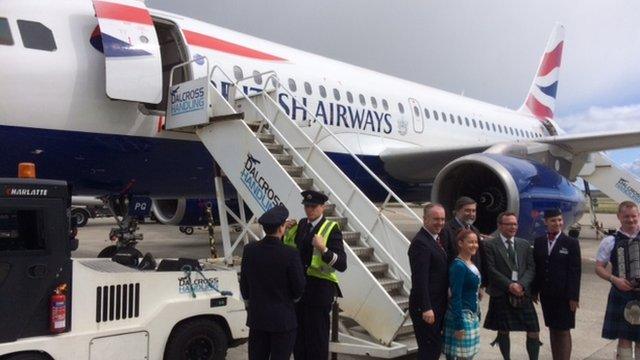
(167, 242)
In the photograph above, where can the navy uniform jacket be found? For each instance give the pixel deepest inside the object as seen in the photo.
(320, 292)
(449, 233)
(558, 274)
(271, 279)
(429, 274)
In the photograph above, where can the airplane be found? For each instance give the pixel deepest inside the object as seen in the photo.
(84, 93)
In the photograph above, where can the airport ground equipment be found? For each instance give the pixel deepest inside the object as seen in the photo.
(56, 307)
(269, 159)
(87, 207)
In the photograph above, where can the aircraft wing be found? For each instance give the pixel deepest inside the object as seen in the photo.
(590, 142)
(423, 164)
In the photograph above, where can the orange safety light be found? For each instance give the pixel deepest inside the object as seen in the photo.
(27, 170)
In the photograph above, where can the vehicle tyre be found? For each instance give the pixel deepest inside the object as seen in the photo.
(108, 252)
(27, 356)
(188, 230)
(181, 229)
(199, 339)
(81, 215)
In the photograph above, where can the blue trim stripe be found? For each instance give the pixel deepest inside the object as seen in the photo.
(550, 90)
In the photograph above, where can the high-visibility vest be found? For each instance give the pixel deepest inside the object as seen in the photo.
(318, 267)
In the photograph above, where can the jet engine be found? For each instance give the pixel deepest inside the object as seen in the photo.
(504, 183)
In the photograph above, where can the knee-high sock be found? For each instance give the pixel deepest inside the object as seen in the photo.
(624, 354)
(504, 344)
(533, 348)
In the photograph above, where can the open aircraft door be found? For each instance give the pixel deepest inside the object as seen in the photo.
(131, 50)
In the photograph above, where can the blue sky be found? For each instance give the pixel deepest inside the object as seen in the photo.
(488, 50)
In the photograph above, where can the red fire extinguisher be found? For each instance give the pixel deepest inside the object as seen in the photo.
(58, 310)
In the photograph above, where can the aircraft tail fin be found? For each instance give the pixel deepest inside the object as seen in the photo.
(541, 99)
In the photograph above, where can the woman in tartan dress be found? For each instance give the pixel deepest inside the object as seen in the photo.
(462, 325)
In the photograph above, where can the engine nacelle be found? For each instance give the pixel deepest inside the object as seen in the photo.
(191, 212)
(504, 183)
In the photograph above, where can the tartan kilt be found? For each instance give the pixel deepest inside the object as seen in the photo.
(469, 345)
(504, 317)
(615, 326)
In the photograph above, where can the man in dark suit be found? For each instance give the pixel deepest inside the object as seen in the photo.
(465, 216)
(511, 271)
(429, 283)
(558, 270)
(271, 280)
(319, 243)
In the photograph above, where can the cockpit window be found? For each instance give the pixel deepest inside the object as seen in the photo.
(36, 36)
(5, 33)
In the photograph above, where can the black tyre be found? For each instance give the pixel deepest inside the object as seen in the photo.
(81, 215)
(199, 339)
(181, 229)
(111, 250)
(188, 230)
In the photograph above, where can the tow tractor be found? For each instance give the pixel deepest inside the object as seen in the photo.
(56, 307)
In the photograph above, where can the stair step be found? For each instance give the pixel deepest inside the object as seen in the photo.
(253, 126)
(363, 252)
(342, 221)
(402, 301)
(266, 137)
(406, 328)
(284, 159)
(293, 170)
(390, 284)
(329, 209)
(275, 148)
(304, 183)
(376, 267)
(351, 237)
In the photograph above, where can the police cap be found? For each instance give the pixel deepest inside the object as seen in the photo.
(550, 213)
(312, 197)
(275, 216)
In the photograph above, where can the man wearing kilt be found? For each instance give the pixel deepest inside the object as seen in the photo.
(558, 270)
(511, 271)
(622, 292)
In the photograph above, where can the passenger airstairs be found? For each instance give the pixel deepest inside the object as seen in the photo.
(618, 183)
(270, 159)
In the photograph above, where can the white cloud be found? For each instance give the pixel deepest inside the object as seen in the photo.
(634, 167)
(602, 119)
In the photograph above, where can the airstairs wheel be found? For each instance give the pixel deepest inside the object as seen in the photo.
(199, 339)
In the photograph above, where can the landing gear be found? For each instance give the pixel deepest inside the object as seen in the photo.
(188, 230)
(124, 235)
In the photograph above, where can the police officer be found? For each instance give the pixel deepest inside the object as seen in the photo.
(319, 242)
(271, 280)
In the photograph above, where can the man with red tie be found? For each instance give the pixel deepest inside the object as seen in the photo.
(429, 283)
(558, 270)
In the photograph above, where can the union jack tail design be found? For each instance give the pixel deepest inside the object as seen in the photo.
(541, 99)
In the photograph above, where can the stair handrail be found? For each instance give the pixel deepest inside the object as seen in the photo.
(369, 235)
(390, 192)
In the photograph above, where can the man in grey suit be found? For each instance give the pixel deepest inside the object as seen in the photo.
(511, 271)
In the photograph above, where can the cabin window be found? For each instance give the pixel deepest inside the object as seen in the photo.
(466, 121)
(500, 128)
(237, 72)
(257, 77)
(416, 111)
(36, 36)
(452, 118)
(336, 94)
(385, 104)
(427, 114)
(5, 33)
(292, 85)
(435, 115)
(493, 126)
(307, 88)
(401, 108)
(374, 102)
(474, 123)
(349, 97)
(323, 91)
(362, 100)
(481, 124)
(511, 130)
(459, 120)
